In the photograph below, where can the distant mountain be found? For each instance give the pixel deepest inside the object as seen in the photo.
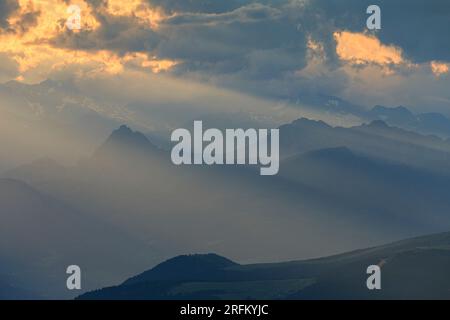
(429, 123)
(411, 269)
(376, 139)
(329, 104)
(399, 116)
(126, 137)
(425, 123)
(124, 140)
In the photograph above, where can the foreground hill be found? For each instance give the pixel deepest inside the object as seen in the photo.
(411, 269)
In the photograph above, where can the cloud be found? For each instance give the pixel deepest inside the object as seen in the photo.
(7, 8)
(420, 28)
(359, 48)
(417, 88)
(112, 38)
(115, 29)
(17, 17)
(28, 20)
(218, 43)
(439, 68)
(232, 42)
(9, 69)
(260, 47)
(198, 6)
(119, 34)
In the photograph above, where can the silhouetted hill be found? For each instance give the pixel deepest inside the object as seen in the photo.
(415, 269)
(195, 267)
(410, 269)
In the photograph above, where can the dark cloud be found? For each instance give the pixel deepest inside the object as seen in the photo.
(259, 46)
(95, 3)
(257, 38)
(271, 47)
(27, 20)
(251, 46)
(116, 33)
(7, 8)
(420, 27)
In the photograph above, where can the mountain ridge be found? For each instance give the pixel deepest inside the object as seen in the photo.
(338, 276)
(426, 123)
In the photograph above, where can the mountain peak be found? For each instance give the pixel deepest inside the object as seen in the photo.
(187, 267)
(210, 259)
(399, 110)
(378, 124)
(124, 127)
(123, 141)
(305, 122)
(125, 135)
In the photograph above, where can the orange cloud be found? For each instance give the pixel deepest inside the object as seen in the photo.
(360, 48)
(36, 57)
(136, 8)
(439, 68)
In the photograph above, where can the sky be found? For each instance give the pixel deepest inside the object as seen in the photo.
(279, 50)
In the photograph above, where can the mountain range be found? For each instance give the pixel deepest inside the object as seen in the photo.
(360, 186)
(376, 139)
(430, 123)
